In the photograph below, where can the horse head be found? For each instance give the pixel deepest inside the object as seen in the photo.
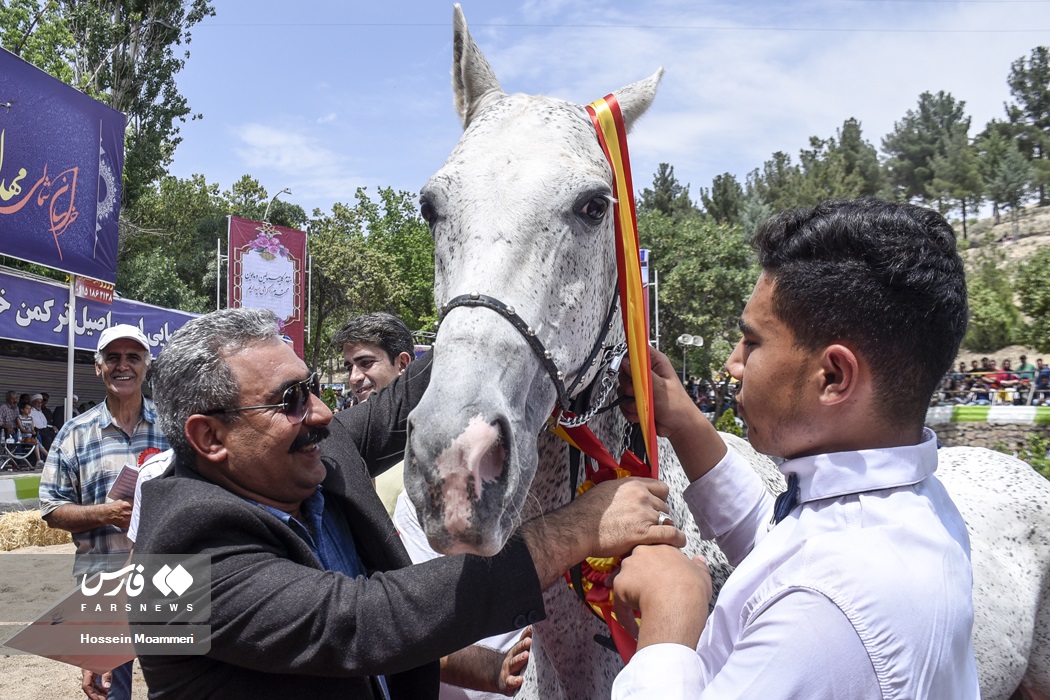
(525, 273)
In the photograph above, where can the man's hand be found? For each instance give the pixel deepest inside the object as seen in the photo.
(119, 513)
(673, 409)
(514, 663)
(623, 513)
(95, 686)
(695, 441)
(608, 520)
(671, 593)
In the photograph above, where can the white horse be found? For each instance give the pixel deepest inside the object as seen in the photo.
(524, 276)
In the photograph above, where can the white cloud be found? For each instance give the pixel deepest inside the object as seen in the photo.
(733, 93)
(317, 173)
(264, 146)
(370, 103)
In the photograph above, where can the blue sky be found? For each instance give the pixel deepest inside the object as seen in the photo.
(323, 96)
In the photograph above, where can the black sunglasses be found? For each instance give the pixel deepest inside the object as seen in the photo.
(294, 401)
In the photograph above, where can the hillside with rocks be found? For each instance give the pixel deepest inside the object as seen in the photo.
(1033, 232)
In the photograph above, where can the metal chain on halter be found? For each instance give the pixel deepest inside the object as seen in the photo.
(609, 369)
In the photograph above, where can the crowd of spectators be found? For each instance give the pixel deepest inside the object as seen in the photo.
(706, 393)
(26, 419)
(985, 383)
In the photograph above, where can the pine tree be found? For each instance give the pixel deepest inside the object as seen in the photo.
(1011, 182)
(667, 195)
(724, 200)
(1029, 83)
(915, 140)
(957, 177)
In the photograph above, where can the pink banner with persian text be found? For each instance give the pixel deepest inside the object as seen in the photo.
(267, 271)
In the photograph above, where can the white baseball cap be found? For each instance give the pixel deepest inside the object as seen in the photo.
(119, 331)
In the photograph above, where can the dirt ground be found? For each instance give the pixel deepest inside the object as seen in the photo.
(23, 591)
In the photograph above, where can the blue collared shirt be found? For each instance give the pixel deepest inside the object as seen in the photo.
(328, 536)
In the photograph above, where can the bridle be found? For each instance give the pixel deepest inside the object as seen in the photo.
(609, 357)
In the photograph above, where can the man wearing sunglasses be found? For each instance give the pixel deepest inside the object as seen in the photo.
(313, 594)
(85, 459)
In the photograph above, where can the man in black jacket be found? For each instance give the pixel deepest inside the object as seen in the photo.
(312, 592)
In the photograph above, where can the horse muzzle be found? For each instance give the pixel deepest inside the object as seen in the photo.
(460, 485)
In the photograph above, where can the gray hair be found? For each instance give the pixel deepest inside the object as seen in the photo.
(379, 328)
(191, 375)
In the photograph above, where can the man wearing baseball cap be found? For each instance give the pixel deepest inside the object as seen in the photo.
(86, 457)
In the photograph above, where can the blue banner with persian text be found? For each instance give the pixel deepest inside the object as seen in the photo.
(35, 311)
(61, 159)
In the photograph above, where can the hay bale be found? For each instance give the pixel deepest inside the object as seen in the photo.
(23, 528)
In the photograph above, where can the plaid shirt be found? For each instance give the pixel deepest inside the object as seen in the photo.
(84, 461)
(8, 416)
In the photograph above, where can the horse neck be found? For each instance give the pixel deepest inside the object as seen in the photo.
(551, 485)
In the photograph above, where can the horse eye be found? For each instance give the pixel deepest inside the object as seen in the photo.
(427, 211)
(595, 209)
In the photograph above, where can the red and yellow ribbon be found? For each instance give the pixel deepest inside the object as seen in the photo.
(612, 135)
(595, 571)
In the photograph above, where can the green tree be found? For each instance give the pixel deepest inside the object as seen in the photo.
(991, 146)
(373, 256)
(1033, 291)
(348, 277)
(726, 423)
(860, 158)
(995, 321)
(396, 230)
(1011, 183)
(707, 271)
(152, 277)
(184, 215)
(724, 200)
(247, 198)
(123, 53)
(1029, 82)
(957, 178)
(777, 182)
(667, 195)
(753, 212)
(38, 34)
(921, 135)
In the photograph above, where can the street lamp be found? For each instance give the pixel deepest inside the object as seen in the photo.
(266, 215)
(686, 340)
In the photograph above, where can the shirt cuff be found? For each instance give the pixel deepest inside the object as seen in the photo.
(664, 671)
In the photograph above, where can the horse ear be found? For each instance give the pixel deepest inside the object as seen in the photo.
(472, 76)
(635, 98)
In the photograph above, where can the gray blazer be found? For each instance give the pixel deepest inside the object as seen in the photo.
(282, 626)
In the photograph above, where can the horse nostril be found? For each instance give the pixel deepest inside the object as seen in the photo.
(490, 466)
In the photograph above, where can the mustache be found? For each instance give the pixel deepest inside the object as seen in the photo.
(310, 437)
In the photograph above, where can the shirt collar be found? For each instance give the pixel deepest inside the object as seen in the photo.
(148, 412)
(841, 473)
(313, 504)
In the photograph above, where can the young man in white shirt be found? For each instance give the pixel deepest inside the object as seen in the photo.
(860, 587)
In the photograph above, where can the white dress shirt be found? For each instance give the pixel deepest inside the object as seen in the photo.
(153, 467)
(415, 540)
(863, 591)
